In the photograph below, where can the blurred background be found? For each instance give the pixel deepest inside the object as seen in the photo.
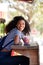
(31, 10)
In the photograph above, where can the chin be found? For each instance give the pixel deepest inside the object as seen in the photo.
(21, 29)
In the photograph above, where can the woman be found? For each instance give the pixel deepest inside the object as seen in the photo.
(15, 30)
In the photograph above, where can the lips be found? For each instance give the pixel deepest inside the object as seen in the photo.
(21, 27)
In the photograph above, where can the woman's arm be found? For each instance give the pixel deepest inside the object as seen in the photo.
(16, 39)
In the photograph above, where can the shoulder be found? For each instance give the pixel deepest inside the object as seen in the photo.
(15, 31)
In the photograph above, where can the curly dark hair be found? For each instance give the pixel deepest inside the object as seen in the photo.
(12, 24)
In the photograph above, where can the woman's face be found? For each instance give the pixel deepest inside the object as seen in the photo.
(21, 25)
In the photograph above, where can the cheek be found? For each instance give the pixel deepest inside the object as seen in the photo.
(18, 26)
(24, 26)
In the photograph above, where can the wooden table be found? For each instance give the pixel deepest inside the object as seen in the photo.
(30, 51)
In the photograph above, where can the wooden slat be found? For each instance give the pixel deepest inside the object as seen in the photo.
(32, 52)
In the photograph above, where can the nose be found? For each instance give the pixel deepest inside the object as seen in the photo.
(21, 25)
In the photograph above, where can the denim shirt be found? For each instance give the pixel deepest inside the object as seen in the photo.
(11, 36)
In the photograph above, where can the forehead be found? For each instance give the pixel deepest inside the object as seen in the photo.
(21, 21)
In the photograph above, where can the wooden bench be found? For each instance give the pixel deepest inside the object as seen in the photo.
(29, 51)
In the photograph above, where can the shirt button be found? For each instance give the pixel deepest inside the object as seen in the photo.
(2, 46)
